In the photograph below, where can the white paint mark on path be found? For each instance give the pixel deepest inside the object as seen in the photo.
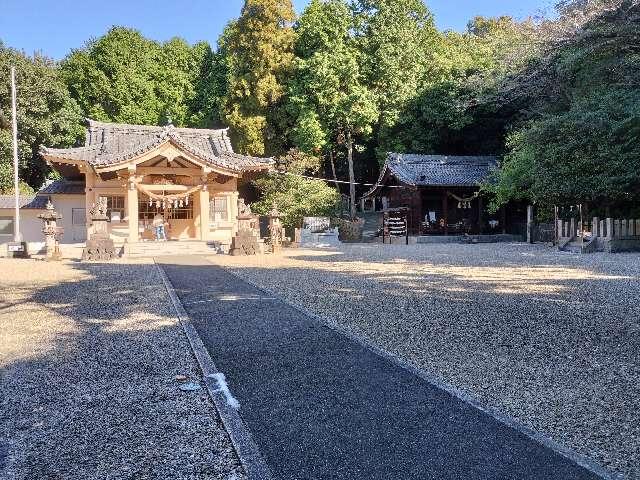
(231, 298)
(223, 388)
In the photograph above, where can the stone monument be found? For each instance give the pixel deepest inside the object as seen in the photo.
(246, 241)
(51, 232)
(99, 245)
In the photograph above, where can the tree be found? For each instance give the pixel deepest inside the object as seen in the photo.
(328, 96)
(578, 144)
(47, 115)
(211, 87)
(399, 43)
(258, 49)
(125, 77)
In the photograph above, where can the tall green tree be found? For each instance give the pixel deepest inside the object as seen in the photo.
(399, 43)
(329, 97)
(457, 111)
(258, 48)
(125, 77)
(47, 115)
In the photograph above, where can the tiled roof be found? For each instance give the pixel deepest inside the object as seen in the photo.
(112, 143)
(436, 170)
(65, 187)
(29, 202)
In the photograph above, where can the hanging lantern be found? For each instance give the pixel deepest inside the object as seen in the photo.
(180, 203)
(157, 203)
(186, 201)
(150, 202)
(459, 204)
(175, 204)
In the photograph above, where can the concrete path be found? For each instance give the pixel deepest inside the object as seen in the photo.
(321, 406)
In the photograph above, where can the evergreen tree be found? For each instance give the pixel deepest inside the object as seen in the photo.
(47, 115)
(258, 49)
(331, 103)
(399, 43)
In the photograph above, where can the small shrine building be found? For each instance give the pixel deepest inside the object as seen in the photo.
(442, 195)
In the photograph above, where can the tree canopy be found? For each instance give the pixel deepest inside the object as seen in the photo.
(578, 141)
(46, 115)
(125, 77)
(350, 80)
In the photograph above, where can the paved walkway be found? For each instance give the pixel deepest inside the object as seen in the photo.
(321, 406)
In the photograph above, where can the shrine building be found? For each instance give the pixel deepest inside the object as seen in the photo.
(442, 195)
(190, 176)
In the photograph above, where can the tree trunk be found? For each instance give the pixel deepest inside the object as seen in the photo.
(352, 180)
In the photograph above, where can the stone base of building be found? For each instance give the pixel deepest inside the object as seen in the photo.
(498, 238)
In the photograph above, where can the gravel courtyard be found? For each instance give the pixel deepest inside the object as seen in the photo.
(550, 339)
(87, 386)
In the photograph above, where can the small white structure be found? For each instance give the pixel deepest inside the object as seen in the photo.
(317, 233)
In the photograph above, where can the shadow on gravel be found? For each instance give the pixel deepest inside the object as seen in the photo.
(551, 343)
(87, 386)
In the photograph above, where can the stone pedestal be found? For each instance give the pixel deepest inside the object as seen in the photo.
(245, 241)
(99, 245)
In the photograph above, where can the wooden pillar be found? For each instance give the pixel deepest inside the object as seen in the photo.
(132, 208)
(503, 219)
(445, 211)
(89, 197)
(203, 200)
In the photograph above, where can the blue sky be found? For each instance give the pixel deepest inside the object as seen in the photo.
(56, 26)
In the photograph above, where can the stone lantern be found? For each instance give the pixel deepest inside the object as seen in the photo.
(51, 232)
(276, 231)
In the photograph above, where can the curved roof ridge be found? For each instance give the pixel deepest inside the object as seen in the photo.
(153, 128)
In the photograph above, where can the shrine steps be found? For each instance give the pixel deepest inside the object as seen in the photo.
(167, 249)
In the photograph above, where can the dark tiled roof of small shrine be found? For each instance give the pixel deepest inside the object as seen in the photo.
(109, 144)
(29, 202)
(65, 187)
(436, 170)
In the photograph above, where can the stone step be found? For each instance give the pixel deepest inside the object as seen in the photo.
(152, 249)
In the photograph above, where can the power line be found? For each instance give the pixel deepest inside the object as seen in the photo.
(331, 180)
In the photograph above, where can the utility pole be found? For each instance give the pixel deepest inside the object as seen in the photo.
(16, 182)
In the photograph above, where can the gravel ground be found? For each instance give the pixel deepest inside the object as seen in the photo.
(87, 385)
(548, 338)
